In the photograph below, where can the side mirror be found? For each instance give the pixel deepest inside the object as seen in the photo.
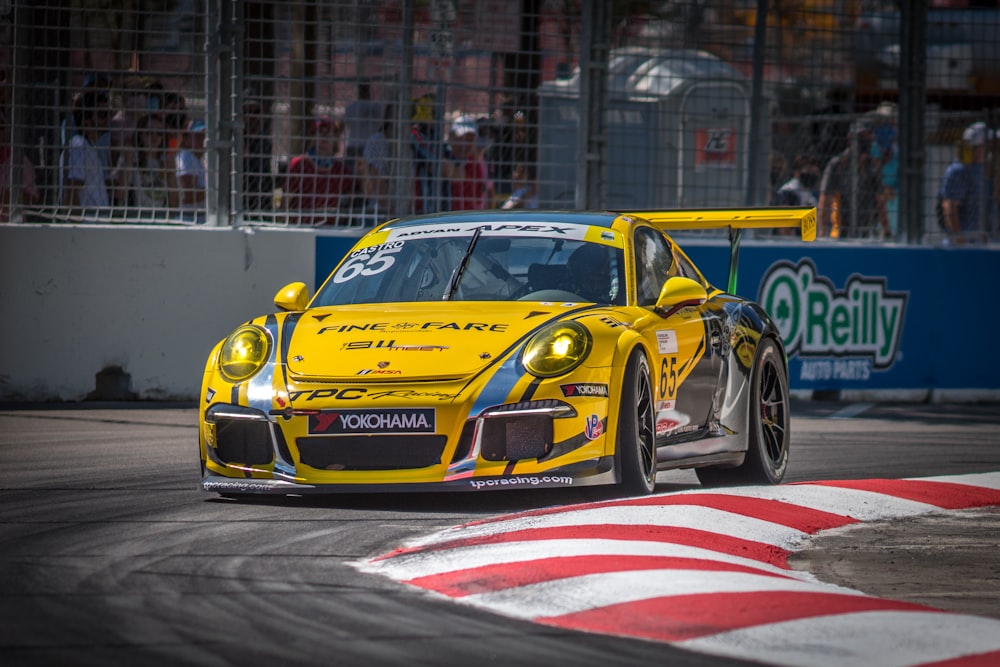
(293, 296)
(678, 293)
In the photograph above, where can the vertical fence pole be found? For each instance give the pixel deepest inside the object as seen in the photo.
(754, 148)
(592, 139)
(912, 89)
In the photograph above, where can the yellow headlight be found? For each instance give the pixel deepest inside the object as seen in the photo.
(556, 349)
(244, 353)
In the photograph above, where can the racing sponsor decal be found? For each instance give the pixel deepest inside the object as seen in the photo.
(593, 427)
(669, 420)
(584, 389)
(379, 371)
(391, 346)
(367, 261)
(519, 481)
(499, 229)
(666, 341)
(859, 326)
(390, 420)
(414, 327)
(354, 393)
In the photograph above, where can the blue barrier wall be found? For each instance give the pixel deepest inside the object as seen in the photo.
(857, 317)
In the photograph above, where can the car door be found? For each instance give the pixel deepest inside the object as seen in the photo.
(686, 363)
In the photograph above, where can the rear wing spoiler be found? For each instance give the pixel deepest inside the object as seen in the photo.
(735, 220)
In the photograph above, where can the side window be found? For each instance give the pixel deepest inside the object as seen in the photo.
(653, 262)
(686, 269)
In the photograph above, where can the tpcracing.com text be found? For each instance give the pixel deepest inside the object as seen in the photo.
(519, 481)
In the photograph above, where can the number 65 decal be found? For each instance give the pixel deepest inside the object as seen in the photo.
(668, 377)
(367, 264)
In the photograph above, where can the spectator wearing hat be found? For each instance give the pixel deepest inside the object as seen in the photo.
(320, 182)
(968, 203)
(467, 171)
(851, 194)
(191, 174)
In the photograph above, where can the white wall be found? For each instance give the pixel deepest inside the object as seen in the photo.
(75, 299)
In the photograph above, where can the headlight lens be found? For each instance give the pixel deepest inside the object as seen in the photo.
(244, 353)
(556, 349)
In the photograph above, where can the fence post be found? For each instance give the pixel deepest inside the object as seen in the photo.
(593, 142)
(912, 89)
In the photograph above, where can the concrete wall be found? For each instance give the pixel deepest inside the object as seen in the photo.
(77, 299)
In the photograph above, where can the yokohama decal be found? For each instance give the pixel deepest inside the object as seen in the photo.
(398, 420)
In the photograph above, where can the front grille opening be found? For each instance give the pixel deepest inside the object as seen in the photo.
(241, 441)
(371, 452)
(465, 441)
(516, 438)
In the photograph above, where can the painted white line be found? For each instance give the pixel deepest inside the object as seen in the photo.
(852, 410)
(668, 516)
(594, 591)
(986, 480)
(861, 505)
(871, 638)
(428, 563)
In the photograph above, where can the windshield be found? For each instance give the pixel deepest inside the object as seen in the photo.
(478, 267)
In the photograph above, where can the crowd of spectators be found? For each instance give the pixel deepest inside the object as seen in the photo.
(135, 153)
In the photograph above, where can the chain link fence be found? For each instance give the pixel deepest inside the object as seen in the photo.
(348, 112)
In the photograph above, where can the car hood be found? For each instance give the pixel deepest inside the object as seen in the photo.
(410, 342)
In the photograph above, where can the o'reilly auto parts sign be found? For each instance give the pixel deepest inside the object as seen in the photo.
(839, 333)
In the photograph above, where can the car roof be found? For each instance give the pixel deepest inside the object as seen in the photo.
(595, 218)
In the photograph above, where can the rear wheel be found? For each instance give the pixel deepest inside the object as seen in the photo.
(769, 438)
(636, 442)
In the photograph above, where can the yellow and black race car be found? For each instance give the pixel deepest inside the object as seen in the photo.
(504, 350)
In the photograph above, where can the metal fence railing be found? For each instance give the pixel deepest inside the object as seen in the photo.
(347, 112)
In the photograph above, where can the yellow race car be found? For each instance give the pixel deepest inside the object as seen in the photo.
(504, 350)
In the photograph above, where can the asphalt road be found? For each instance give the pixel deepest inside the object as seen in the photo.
(109, 553)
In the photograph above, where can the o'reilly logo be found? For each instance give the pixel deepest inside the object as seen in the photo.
(817, 319)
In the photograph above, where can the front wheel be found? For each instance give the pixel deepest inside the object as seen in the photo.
(636, 443)
(769, 437)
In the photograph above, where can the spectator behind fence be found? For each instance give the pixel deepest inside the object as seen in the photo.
(467, 171)
(320, 183)
(885, 150)
(431, 192)
(375, 166)
(29, 189)
(851, 195)
(175, 119)
(966, 187)
(82, 177)
(191, 174)
(153, 177)
(362, 118)
(258, 182)
(800, 189)
(525, 193)
(134, 98)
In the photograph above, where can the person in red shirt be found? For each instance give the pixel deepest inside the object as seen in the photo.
(320, 186)
(468, 172)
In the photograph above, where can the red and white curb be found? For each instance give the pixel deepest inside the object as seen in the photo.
(707, 570)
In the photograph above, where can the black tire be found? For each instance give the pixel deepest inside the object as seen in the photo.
(636, 443)
(770, 436)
